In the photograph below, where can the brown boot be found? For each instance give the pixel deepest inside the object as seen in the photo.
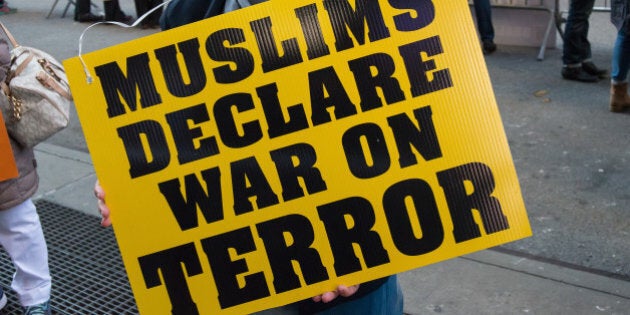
(619, 98)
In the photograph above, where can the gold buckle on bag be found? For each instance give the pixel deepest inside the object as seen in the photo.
(46, 66)
(17, 107)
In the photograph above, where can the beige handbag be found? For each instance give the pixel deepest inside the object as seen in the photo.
(38, 94)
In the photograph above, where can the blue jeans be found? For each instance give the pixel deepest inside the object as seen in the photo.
(621, 57)
(386, 300)
(483, 12)
(576, 46)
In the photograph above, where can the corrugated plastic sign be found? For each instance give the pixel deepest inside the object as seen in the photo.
(266, 155)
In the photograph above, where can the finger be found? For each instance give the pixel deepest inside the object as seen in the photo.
(347, 291)
(106, 222)
(329, 296)
(98, 191)
(104, 210)
(105, 214)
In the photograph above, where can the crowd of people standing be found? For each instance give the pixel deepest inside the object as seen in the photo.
(577, 62)
(113, 12)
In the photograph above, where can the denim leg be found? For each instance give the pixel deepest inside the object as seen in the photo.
(576, 46)
(483, 12)
(621, 57)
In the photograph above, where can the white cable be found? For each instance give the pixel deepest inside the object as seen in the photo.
(88, 76)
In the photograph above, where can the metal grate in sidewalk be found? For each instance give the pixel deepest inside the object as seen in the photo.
(87, 271)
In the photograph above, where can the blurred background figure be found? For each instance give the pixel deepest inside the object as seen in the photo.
(620, 17)
(83, 13)
(153, 20)
(576, 51)
(4, 8)
(483, 13)
(113, 12)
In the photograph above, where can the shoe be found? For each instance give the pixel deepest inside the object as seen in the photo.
(3, 299)
(39, 309)
(577, 74)
(120, 16)
(590, 68)
(89, 17)
(4, 9)
(124, 19)
(488, 47)
(619, 98)
(146, 26)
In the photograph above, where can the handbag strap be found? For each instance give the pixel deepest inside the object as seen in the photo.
(9, 35)
(48, 81)
(5, 88)
(22, 65)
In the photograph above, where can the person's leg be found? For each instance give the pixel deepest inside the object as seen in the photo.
(619, 99)
(152, 20)
(621, 57)
(114, 13)
(576, 52)
(581, 27)
(81, 7)
(142, 6)
(82, 12)
(22, 237)
(576, 47)
(387, 299)
(483, 13)
(155, 16)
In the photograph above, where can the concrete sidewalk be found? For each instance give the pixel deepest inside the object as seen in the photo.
(485, 282)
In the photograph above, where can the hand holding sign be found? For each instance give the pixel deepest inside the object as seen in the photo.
(103, 209)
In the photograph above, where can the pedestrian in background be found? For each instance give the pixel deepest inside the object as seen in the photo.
(21, 232)
(112, 9)
(4, 8)
(83, 12)
(483, 13)
(620, 17)
(576, 52)
(153, 19)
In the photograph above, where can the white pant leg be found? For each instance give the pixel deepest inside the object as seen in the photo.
(22, 237)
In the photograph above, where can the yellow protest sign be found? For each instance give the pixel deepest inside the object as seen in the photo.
(8, 169)
(266, 155)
